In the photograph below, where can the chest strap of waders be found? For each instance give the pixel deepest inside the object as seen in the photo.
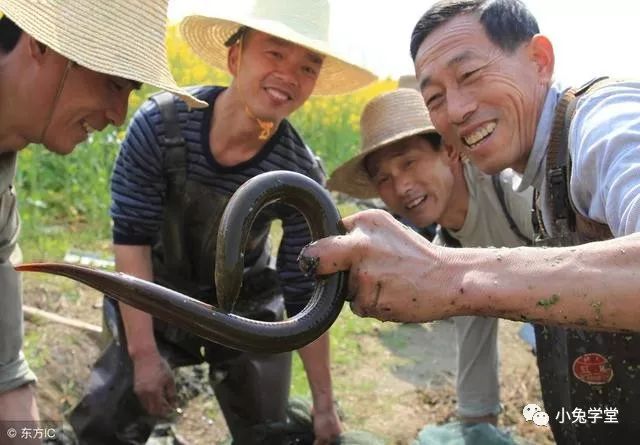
(174, 169)
(570, 227)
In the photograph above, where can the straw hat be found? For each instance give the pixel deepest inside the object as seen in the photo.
(386, 119)
(303, 22)
(122, 38)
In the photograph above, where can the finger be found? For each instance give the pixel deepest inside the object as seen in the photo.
(327, 256)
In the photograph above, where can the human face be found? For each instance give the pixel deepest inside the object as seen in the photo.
(483, 101)
(275, 77)
(89, 101)
(413, 179)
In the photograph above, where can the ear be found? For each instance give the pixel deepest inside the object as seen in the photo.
(541, 53)
(233, 59)
(37, 50)
(453, 155)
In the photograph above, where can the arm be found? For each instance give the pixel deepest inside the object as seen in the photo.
(153, 379)
(137, 190)
(397, 275)
(316, 360)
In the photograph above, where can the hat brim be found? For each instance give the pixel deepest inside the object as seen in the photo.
(85, 33)
(207, 36)
(352, 178)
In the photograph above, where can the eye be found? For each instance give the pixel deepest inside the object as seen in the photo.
(275, 55)
(469, 74)
(310, 71)
(408, 163)
(381, 180)
(434, 101)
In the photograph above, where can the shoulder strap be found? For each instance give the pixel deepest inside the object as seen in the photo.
(565, 217)
(176, 264)
(497, 186)
(175, 159)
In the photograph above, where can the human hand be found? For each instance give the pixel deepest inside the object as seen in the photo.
(154, 384)
(326, 425)
(394, 273)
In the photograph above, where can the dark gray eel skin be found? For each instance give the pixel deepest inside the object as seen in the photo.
(219, 324)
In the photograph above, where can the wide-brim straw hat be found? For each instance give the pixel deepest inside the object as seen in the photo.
(387, 118)
(303, 22)
(122, 38)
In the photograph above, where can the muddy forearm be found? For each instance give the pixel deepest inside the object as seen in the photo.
(594, 286)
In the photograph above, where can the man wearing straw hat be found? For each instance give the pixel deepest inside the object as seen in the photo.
(403, 161)
(66, 70)
(173, 177)
(487, 76)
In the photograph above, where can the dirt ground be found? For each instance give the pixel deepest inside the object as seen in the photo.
(402, 380)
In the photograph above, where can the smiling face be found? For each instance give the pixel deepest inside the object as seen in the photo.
(485, 101)
(413, 178)
(89, 101)
(275, 77)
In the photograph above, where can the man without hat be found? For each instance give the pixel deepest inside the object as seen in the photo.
(66, 70)
(404, 162)
(486, 75)
(173, 177)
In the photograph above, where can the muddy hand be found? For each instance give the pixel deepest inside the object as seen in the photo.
(394, 273)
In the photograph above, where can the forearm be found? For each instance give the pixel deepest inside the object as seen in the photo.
(593, 286)
(316, 360)
(138, 325)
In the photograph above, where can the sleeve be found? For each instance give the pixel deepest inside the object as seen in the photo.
(297, 288)
(605, 148)
(137, 184)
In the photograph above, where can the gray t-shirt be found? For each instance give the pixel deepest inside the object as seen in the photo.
(486, 224)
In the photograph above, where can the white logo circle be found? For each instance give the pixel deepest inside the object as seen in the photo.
(541, 418)
(530, 410)
(12, 433)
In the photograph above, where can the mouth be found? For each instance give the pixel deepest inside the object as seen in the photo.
(278, 94)
(415, 202)
(479, 135)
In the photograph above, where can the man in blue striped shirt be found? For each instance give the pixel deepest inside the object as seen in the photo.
(173, 177)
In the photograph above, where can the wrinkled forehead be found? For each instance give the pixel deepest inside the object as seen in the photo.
(453, 42)
(377, 160)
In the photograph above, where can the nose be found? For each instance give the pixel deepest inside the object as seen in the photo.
(460, 105)
(402, 185)
(117, 111)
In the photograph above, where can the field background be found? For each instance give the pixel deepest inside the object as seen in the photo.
(384, 374)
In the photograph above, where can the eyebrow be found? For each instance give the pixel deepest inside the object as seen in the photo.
(463, 56)
(311, 56)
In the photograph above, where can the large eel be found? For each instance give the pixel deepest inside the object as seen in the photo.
(219, 324)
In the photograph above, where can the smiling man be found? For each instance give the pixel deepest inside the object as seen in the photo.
(57, 86)
(174, 175)
(486, 75)
(404, 162)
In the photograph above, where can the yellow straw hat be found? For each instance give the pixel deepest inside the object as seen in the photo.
(303, 22)
(122, 38)
(387, 118)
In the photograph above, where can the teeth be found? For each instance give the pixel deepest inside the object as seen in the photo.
(278, 94)
(88, 128)
(480, 134)
(414, 203)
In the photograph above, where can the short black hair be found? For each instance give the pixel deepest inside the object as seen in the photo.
(434, 139)
(9, 34)
(508, 23)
